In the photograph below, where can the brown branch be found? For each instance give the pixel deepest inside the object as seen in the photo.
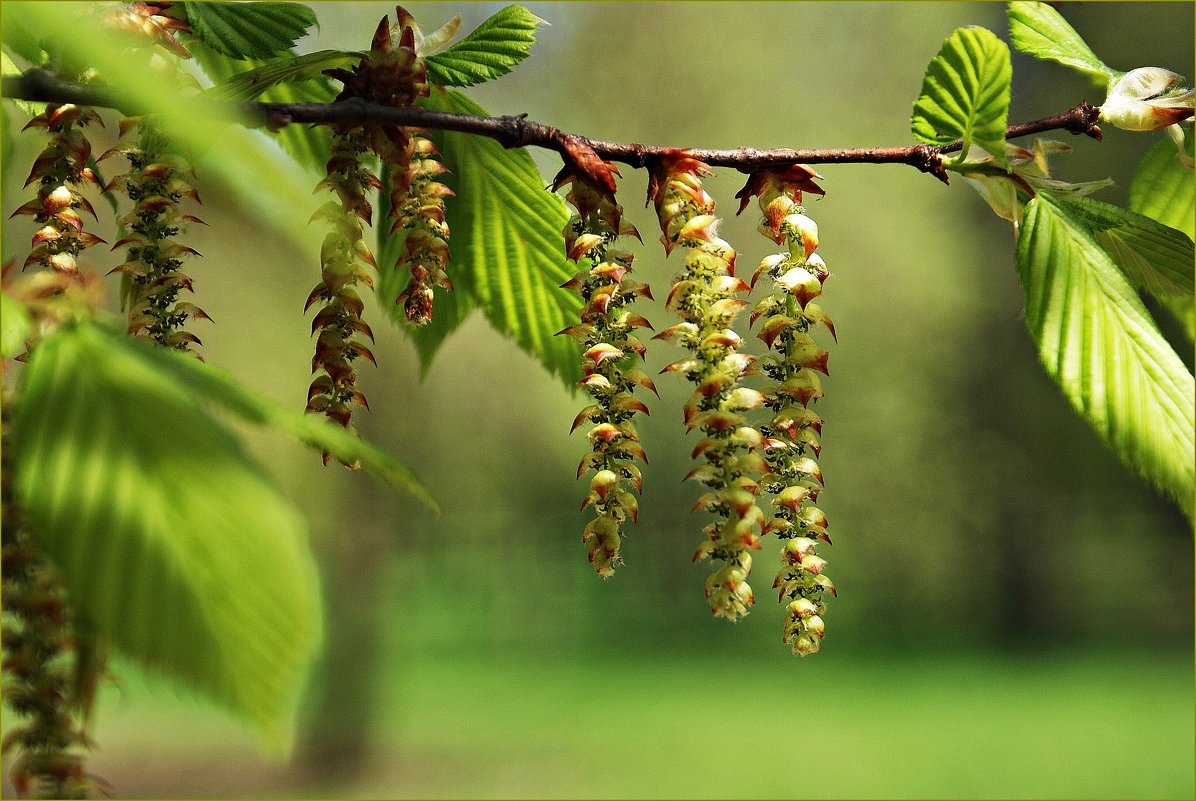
(518, 131)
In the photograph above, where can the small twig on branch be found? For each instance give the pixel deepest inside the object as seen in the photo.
(518, 131)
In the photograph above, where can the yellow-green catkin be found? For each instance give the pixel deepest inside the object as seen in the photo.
(157, 181)
(790, 439)
(605, 332)
(703, 295)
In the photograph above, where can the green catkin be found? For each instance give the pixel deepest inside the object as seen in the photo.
(703, 296)
(156, 183)
(417, 207)
(345, 263)
(393, 74)
(605, 333)
(790, 439)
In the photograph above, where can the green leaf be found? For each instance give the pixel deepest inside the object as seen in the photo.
(249, 85)
(249, 30)
(1041, 31)
(508, 254)
(309, 145)
(20, 37)
(212, 385)
(1098, 342)
(1157, 259)
(172, 542)
(15, 326)
(490, 51)
(1163, 188)
(965, 94)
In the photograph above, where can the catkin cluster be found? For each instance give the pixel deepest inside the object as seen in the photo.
(790, 438)
(703, 296)
(390, 73)
(606, 335)
(393, 74)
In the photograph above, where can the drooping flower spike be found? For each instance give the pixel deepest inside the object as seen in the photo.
(703, 296)
(790, 440)
(158, 180)
(59, 171)
(345, 263)
(417, 207)
(605, 333)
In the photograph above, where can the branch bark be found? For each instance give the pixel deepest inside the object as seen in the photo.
(518, 131)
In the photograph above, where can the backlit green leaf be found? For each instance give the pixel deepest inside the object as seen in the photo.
(1157, 259)
(172, 542)
(1163, 190)
(1041, 31)
(508, 256)
(249, 30)
(490, 51)
(1098, 342)
(965, 94)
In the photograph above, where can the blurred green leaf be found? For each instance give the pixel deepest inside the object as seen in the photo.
(212, 385)
(508, 255)
(15, 326)
(1098, 342)
(1041, 31)
(250, 84)
(490, 51)
(19, 36)
(965, 94)
(9, 67)
(309, 145)
(172, 542)
(249, 30)
(1157, 259)
(1163, 190)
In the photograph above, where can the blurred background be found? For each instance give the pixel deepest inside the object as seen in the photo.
(1015, 613)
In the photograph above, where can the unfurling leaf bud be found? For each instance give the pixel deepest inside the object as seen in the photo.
(1146, 99)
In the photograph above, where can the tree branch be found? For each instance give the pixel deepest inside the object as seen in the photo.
(518, 131)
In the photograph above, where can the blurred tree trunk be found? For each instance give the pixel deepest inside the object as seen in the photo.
(342, 705)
